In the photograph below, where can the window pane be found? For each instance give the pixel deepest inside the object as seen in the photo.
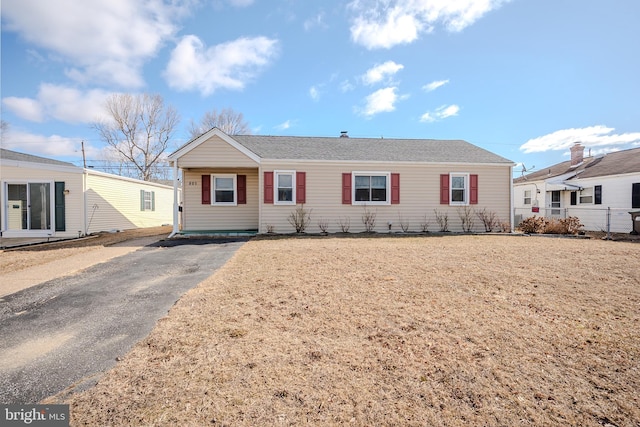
(378, 194)
(378, 182)
(362, 182)
(457, 195)
(285, 195)
(147, 200)
(362, 195)
(285, 181)
(224, 184)
(40, 199)
(224, 196)
(457, 182)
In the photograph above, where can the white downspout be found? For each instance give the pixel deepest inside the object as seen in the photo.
(175, 199)
(511, 207)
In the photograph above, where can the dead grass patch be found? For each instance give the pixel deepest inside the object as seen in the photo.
(448, 331)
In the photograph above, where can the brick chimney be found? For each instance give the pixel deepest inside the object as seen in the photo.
(577, 154)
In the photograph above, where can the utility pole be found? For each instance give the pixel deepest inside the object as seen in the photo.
(84, 159)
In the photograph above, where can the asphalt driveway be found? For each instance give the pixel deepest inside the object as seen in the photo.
(63, 334)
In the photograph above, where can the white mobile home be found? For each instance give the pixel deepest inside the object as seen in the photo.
(42, 197)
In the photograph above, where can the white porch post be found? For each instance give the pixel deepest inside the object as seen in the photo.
(175, 199)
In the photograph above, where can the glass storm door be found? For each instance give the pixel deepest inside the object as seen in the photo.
(29, 206)
(555, 203)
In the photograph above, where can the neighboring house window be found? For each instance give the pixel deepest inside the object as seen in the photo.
(371, 188)
(635, 195)
(285, 187)
(527, 197)
(147, 200)
(597, 195)
(586, 196)
(224, 190)
(459, 189)
(574, 198)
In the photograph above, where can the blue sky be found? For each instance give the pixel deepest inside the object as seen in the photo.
(522, 78)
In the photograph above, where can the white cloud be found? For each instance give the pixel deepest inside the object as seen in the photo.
(101, 41)
(382, 101)
(593, 136)
(59, 102)
(381, 71)
(435, 85)
(440, 113)
(346, 86)
(386, 23)
(54, 146)
(228, 65)
(314, 93)
(241, 3)
(284, 126)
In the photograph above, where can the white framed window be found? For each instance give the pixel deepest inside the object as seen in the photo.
(527, 197)
(371, 188)
(284, 187)
(224, 190)
(586, 196)
(147, 200)
(459, 189)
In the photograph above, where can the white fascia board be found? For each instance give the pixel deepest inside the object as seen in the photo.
(40, 166)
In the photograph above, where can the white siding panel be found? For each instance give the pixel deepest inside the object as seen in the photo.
(199, 217)
(114, 204)
(419, 197)
(215, 153)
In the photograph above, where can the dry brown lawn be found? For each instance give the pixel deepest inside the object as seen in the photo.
(446, 331)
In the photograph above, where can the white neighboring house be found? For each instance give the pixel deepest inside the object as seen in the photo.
(600, 190)
(42, 197)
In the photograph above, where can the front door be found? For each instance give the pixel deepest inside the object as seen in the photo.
(28, 207)
(556, 204)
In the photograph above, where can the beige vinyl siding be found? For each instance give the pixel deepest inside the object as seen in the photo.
(199, 217)
(113, 203)
(419, 196)
(44, 173)
(215, 153)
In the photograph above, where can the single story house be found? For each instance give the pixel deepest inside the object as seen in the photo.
(42, 197)
(599, 190)
(255, 183)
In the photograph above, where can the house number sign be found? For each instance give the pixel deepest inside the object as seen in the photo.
(192, 183)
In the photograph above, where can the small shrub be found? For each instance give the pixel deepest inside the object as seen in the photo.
(271, 228)
(368, 219)
(466, 217)
(424, 224)
(505, 226)
(442, 219)
(300, 218)
(344, 223)
(404, 224)
(533, 224)
(489, 219)
(323, 224)
(543, 225)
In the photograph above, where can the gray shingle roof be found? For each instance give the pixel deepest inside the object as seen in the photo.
(367, 149)
(616, 163)
(21, 157)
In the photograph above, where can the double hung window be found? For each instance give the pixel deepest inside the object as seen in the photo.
(371, 188)
(224, 190)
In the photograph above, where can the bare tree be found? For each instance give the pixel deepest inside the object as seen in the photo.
(227, 120)
(139, 130)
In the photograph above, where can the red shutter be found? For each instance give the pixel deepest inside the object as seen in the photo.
(395, 188)
(241, 183)
(473, 187)
(444, 189)
(206, 189)
(301, 187)
(268, 187)
(346, 188)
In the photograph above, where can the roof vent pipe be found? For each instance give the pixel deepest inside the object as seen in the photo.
(344, 134)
